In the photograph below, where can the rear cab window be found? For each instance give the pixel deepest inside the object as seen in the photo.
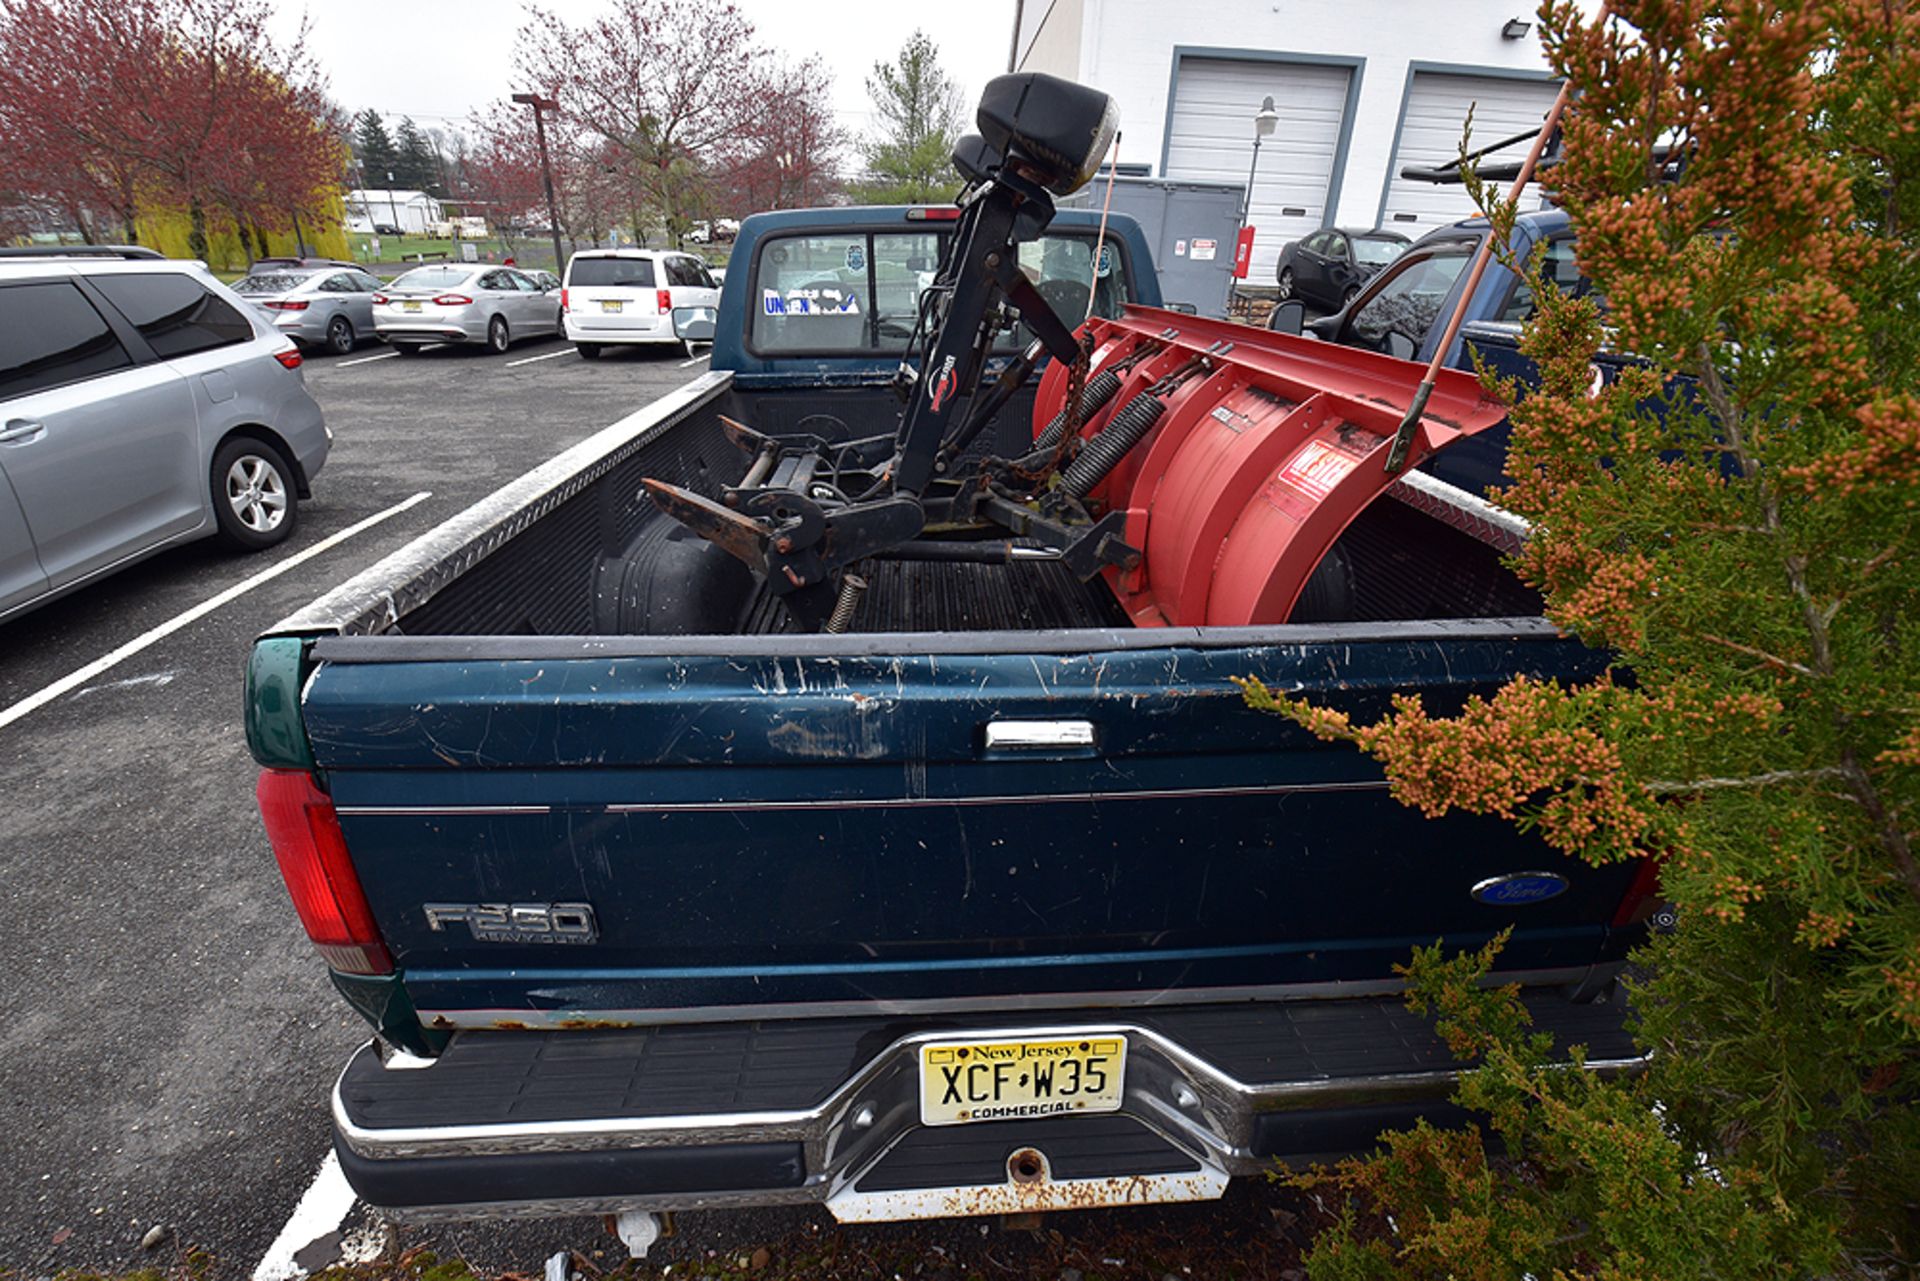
(1557, 264)
(51, 335)
(611, 273)
(858, 292)
(176, 314)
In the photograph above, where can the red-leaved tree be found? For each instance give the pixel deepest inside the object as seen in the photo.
(125, 107)
(668, 87)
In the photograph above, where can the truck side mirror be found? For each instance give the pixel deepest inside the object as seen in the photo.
(1289, 317)
(693, 324)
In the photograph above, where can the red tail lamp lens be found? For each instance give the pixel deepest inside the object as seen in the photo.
(664, 300)
(290, 357)
(1642, 895)
(312, 853)
(563, 300)
(452, 300)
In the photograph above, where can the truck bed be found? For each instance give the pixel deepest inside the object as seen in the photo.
(523, 562)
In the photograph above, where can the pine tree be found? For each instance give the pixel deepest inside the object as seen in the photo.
(910, 161)
(417, 160)
(374, 148)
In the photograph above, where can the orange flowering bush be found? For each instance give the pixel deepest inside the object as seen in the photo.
(1735, 520)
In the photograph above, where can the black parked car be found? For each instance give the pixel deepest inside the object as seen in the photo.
(1329, 267)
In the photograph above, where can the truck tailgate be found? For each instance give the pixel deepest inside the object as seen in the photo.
(738, 831)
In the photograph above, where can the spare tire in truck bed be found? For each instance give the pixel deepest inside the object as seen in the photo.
(669, 581)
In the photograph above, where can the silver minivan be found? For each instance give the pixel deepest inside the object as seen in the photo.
(142, 404)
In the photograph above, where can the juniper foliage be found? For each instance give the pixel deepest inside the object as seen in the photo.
(1734, 520)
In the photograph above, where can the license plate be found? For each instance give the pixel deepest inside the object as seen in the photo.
(409, 306)
(966, 1081)
(613, 306)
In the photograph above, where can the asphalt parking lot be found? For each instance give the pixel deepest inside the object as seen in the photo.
(167, 1037)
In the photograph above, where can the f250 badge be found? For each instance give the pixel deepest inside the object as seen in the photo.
(517, 922)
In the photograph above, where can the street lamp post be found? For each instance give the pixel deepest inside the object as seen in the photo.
(539, 105)
(392, 211)
(1264, 122)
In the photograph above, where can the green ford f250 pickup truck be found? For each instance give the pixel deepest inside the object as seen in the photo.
(787, 796)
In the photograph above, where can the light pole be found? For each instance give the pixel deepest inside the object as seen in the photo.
(392, 211)
(1264, 122)
(539, 105)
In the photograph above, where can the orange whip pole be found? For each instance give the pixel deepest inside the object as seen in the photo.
(1403, 438)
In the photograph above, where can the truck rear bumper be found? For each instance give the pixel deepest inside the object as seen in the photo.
(533, 1124)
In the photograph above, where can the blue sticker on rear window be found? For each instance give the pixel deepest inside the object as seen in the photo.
(810, 302)
(856, 257)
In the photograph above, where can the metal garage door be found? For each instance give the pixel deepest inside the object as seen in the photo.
(1210, 138)
(1436, 112)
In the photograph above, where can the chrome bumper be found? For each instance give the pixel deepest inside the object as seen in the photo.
(1212, 1124)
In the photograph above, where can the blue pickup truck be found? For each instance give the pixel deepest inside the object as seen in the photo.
(1403, 311)
(986, 901)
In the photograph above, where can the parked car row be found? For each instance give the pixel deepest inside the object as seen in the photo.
(609, 296)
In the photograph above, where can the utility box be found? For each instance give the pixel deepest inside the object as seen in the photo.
(1192, 227)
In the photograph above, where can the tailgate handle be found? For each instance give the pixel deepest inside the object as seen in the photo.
(1039, 734)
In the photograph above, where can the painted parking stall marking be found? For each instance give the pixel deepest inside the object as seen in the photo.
(361, 360)
(75, 679)
(322, 1209)
(546, 355)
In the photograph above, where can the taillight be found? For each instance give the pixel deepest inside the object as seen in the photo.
(664, 301)
(290, 358)
(563, 300)
(382, 298)
(942, 213)
(1642, 894)
(312, 853)
(452, 300)
(287, 306)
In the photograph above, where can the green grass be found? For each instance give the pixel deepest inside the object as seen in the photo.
(534, 252)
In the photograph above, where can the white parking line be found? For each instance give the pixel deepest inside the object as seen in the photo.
(73, 680)
(361, 360)
(564, 351)
(322, 1209)
(696, 360)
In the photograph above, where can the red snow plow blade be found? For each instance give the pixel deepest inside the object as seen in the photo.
(1262, 454)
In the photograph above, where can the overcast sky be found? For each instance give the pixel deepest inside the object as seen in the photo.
(438, 62)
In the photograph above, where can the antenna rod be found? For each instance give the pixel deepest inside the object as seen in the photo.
(1403, 438)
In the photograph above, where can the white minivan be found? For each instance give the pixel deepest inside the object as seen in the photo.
(636, 296)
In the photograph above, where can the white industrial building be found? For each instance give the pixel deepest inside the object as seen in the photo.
(411, 211)
(1363, 88)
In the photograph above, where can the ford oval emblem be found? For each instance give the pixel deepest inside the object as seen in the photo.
(1517, 889)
